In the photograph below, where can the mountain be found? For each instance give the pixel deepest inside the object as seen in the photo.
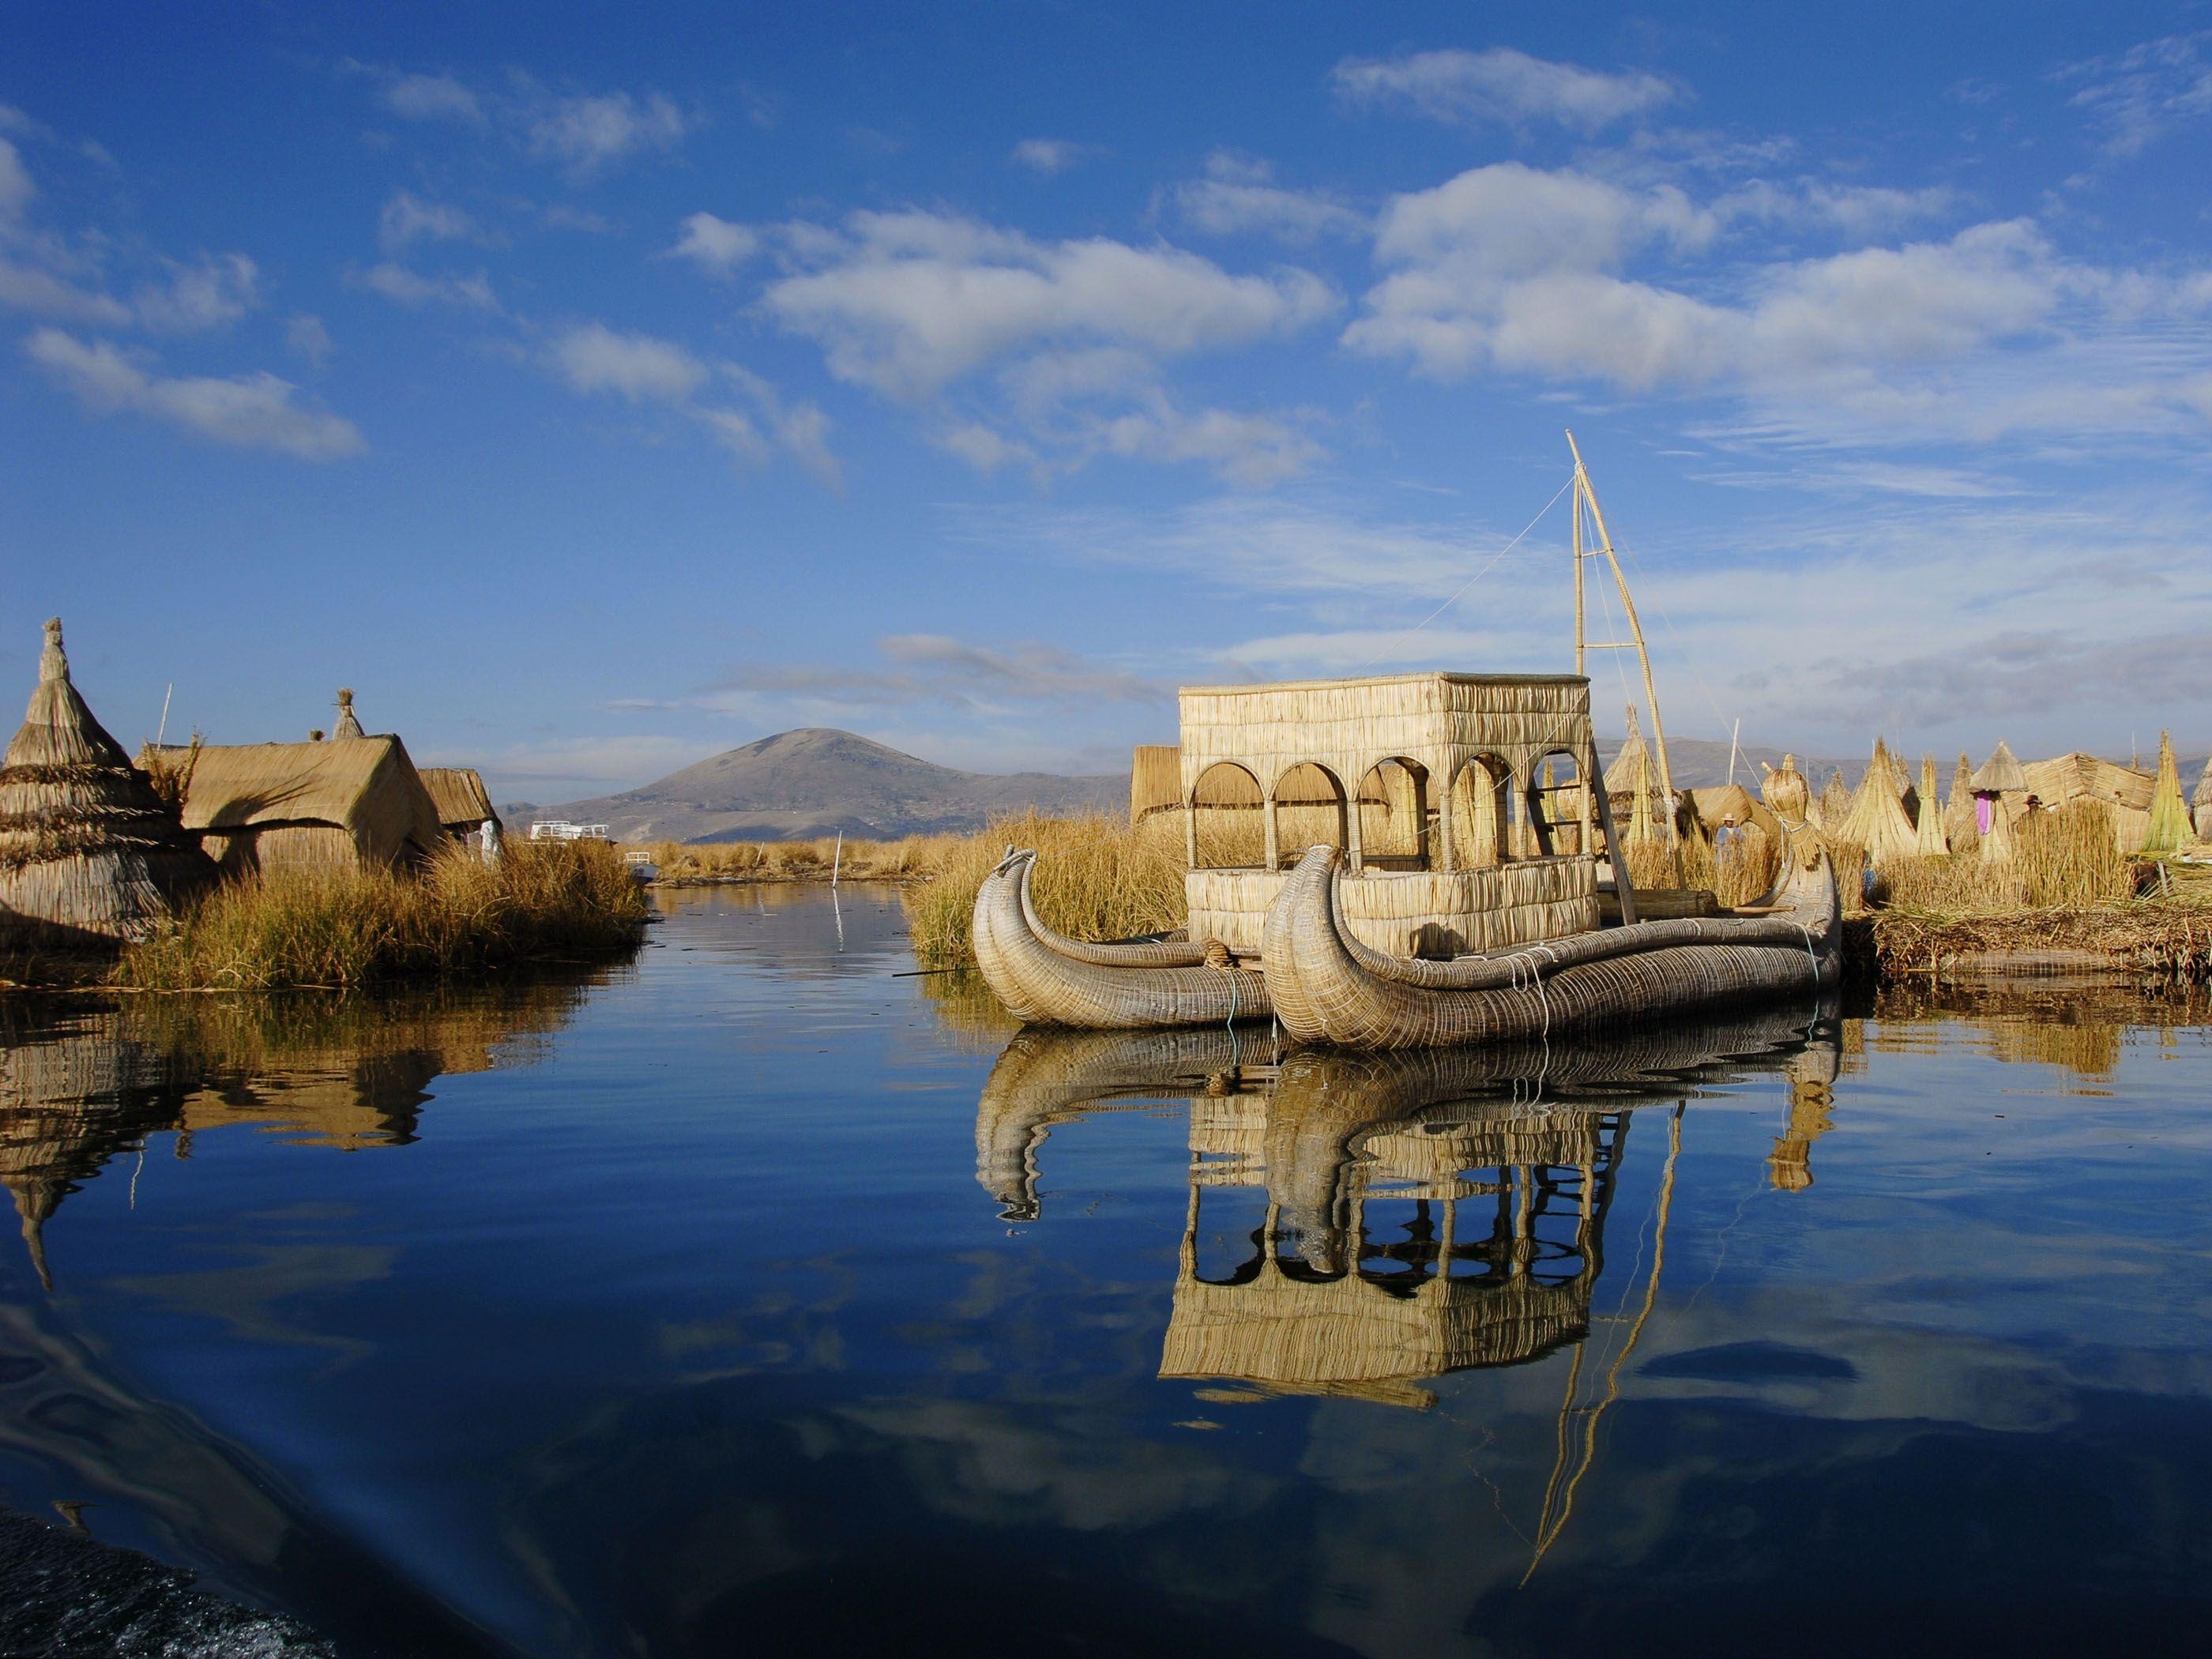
(1700, 764)
(815, 781)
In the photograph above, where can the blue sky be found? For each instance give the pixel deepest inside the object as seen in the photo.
(594, 390)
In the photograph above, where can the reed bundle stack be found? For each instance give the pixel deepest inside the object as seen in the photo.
(1932, 842)
(90, 854)
(2201, 804)
(348, 725)
(1875, 817)
(2170, 824)
(1786, 792)
(2122, 794)
(1833, 806)
(1632, 781)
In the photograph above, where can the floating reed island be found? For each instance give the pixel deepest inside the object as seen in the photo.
(332, 863)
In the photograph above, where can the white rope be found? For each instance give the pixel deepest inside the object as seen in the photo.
(1468, 583)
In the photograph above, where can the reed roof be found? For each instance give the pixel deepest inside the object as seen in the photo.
(87, 850)
(1154, 779)
(1875, 818)
(459, 796)
(2075, 776)
(366, 786)
(2000, 774)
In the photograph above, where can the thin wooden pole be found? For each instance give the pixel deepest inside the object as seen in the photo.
(1635, 631)
(1576, 513)
(1735, 735)
(837, 863)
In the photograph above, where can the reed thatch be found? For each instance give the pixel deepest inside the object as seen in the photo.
(2124, 794)
(1959, 806)
(348, 725)
(2000, 774)
(458, 797)
(2201, 804)
(2170, 824)
(1786, 792)
(1154, 779)
(90, 854)
(1996, 845)
(1834, 806)
(1876, 817)
(285, 805)
(1931, 841)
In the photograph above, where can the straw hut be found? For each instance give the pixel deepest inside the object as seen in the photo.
(2201, 804)
(358, 804)
(460, 797)
(1932, 842)
(1875, 817)
(2170, 824)
(2000, 787)
(1632, 781)
(89, 852)
(1155, 780)
(1958, 804)
(1786, 792)
(2124, 794)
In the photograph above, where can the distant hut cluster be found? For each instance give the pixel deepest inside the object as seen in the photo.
(96, 848)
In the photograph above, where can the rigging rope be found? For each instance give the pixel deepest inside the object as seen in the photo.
(1469, 582)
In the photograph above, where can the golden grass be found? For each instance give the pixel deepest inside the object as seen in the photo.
(2062, 860)
(347, 929)
(1743, 875)
(1097, 879)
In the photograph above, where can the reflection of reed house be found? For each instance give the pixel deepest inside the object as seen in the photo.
(1402, 1251)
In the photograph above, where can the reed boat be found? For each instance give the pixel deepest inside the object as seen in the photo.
(1045, 978)
(1329, 986)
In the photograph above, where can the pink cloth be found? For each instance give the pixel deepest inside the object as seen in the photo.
(1982, 803)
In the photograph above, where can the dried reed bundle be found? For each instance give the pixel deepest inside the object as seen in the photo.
(2170, 824)
(1932, 842)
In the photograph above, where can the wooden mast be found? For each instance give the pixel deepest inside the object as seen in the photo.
(1584, 492)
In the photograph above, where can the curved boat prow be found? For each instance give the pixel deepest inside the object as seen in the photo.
(1047, 979)
(1329, 988)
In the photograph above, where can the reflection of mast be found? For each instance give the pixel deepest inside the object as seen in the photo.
(1585, 496)
(1550, 1524)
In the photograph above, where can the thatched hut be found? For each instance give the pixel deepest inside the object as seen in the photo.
(359, 804)
(1632, 781)
(89, 854)
(1958, 804)
(2170, 824)
(1834, 806)
(462, 802)
(2201, 804)
(1932, 842)
(2125, 794)
(1875, 818)
(2000, 787)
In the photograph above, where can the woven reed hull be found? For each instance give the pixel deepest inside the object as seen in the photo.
(1424, 913)
(1044, 979)
(1328, 988)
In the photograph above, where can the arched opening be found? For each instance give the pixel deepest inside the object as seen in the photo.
(1395, 815)
(1227, 831)
(1309, 812)
(1559, 813)
(1482, 790)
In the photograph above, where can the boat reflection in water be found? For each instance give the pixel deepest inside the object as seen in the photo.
(1427, 1212)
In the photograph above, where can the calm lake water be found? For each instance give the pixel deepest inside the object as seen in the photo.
(752, 1300)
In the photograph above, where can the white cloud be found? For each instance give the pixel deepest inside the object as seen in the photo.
(906, 302)
(596, 358)
(307, 337)
(26, 287)
(983, 447)
(1502, 85)
(589, 133)
(1046, 156)
(253, 411)
(1238, 195)
(209, 292)
(715, 245)
(2141, 94)
(1249, 451)
(409, 288)
(407, 219)
(16, 189)
(433, 98)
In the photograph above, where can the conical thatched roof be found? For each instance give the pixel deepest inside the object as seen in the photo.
(2169, 817)
(348, 725)
(2000, 774)
(1876, 817)
(1997, 846)
(1833, 806)
(87, 850)
(1629, 766)
(1958, 808)
(2204, 795)
(1932, 842)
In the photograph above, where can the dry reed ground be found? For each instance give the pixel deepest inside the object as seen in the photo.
(343, 928)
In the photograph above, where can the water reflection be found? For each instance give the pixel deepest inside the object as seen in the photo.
(80, 1086)
(1424, 1213)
